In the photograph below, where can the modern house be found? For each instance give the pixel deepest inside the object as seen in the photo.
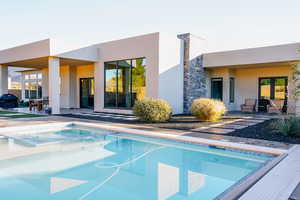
(111, 76)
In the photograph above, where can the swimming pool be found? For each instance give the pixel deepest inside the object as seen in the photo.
(78, 162)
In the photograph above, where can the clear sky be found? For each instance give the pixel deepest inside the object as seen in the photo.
(225, 24)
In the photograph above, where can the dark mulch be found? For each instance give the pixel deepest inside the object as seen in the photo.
(266, 132)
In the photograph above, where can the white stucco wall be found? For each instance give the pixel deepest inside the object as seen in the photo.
(198, 46)
(135, 47)
(170, 72)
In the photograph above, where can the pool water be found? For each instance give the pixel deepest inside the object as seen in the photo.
(123, 167)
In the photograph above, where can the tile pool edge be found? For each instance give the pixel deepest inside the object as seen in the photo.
(13, 131)
(186, 139)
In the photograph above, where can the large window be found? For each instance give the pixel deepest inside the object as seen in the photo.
(273, 88)
(125, 82)
(33, 85)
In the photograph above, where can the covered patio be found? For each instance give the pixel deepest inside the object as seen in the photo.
(56, 79)
(267, 75)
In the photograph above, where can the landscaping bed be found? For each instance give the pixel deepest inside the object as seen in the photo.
(265, 131)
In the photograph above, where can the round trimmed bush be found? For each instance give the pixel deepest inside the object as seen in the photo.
(152, 110)
(206, 109)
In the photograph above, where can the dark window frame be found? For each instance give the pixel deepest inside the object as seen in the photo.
(38, 92)
(231, 89)
(272, 84)
(117, 83)
(211, 88)
(80, 90)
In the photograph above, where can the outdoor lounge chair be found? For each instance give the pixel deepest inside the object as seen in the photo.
(275, 106)
(249, 106)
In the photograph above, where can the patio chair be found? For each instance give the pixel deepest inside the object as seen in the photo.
(249, 106)
(45, 102)
(275, 106)
(32, 105)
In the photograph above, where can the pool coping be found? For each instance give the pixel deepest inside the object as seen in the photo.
(7, 131)
(234, 192)
(187, 139)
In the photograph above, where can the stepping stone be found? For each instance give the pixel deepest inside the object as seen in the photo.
(214, 125)
(219, 130)
(265, 118)
(200, 128)
(232, 126)
(245, 123)
(254, 120)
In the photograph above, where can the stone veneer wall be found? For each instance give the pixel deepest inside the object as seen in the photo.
(194, 85)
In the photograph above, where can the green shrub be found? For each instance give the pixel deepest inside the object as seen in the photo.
(152, 110)
(206, 109)
(288, 126)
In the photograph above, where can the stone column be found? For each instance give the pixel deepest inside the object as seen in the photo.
(194, 85)
(54, 84)
(3, 79)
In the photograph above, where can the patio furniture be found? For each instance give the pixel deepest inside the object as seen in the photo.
(32, 105)
(275, 106)
(39, 105)
(45, 102)
(262, 105)
(249, 105)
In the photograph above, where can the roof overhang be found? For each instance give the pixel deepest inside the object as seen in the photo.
(287, 53)
(36, 54)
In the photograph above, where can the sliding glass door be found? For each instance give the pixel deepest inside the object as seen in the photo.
(272, 88)
(86, 92)
(125, 82)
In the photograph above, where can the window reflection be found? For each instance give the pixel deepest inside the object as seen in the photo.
(273, 88)
(279, 90)
(125, 82)
(110, 84)
(138, 79)
(33, 85)
(265, 88)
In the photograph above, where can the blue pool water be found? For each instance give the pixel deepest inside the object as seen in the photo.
(122, 167)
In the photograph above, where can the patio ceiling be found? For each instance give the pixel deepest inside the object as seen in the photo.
(43, 62)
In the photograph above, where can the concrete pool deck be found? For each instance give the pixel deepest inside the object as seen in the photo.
(277, 184)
